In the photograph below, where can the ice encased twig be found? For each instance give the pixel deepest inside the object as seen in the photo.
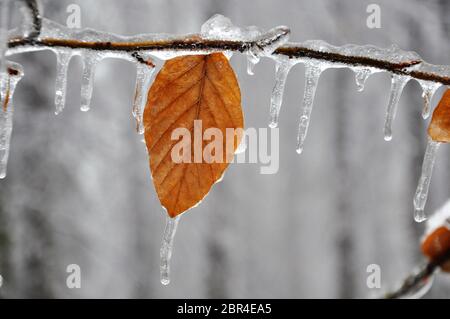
(167, 248)
(144, 74)
(9, 82)
(423, 186)
(398, 82)
(420, 288)
(313, 69)
(260, 43)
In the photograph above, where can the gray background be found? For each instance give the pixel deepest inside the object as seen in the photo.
(78, 188)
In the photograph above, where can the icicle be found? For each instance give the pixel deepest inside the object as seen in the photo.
(252, 60)
(62, 64)
(6, 113)
(90, 61)
(398, 82)
(428, 90)
(361, 76)
(143, 75)
(166, 248)
(282, 69)
(312, 74)
(421, 195)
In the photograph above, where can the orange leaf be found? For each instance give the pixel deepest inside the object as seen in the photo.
(436, 245)
(439, 129)
(187, 89)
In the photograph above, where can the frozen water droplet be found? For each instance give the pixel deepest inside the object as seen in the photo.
(252, 60)
(312, 74)
(281, 71)
(423, 186)
(361, 76)
(167, 247)
(428, 90)
(63, 59)
(144, 73)
(398, 82)
(90, 60)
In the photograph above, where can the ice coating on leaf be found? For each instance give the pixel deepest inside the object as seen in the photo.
(90, 61)
(428, 90)
(398, 82)
(62, 64)
(9, 81)
(144, 74)
(440, 218)
(423, 186)
(313, 69)
(282, 67)
(167, 247)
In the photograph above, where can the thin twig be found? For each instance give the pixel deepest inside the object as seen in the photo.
(412, 281)
(32, 9)
(196, 43)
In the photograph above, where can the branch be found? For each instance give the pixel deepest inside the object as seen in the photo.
(32, 13)
(195, 43)
(414, 280)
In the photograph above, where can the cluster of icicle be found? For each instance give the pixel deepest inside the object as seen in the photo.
(313, 69)
(218, 28)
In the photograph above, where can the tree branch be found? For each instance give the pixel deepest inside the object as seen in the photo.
(32, 11)
(414, 280)
(196, 43)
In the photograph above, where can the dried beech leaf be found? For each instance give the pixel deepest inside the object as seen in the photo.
(188, 89)
(436, 245)
(439, 129)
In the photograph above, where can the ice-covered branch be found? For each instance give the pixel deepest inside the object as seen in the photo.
(32, 17)
(418, 283)
(218, 34)
(198, 44)
(391, 60)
